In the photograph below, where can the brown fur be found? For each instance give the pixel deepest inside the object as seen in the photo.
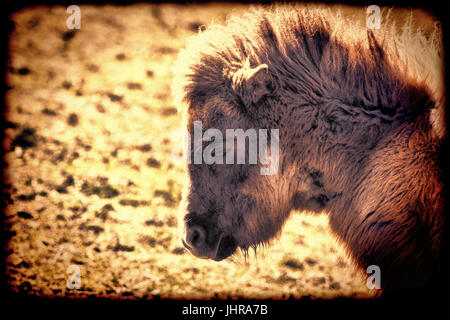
(359, 136)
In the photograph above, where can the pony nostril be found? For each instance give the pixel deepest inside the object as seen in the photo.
(196, 236)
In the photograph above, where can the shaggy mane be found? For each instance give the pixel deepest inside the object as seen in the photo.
(388, 74)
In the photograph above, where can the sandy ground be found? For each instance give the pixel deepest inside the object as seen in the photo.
(93, 180)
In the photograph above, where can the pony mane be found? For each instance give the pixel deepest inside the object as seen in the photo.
(319, 54)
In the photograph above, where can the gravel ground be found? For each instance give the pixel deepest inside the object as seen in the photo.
(92, 180)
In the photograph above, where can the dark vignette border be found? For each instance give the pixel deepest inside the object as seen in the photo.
(402, 301)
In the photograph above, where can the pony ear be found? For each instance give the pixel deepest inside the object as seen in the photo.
(253, 84)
